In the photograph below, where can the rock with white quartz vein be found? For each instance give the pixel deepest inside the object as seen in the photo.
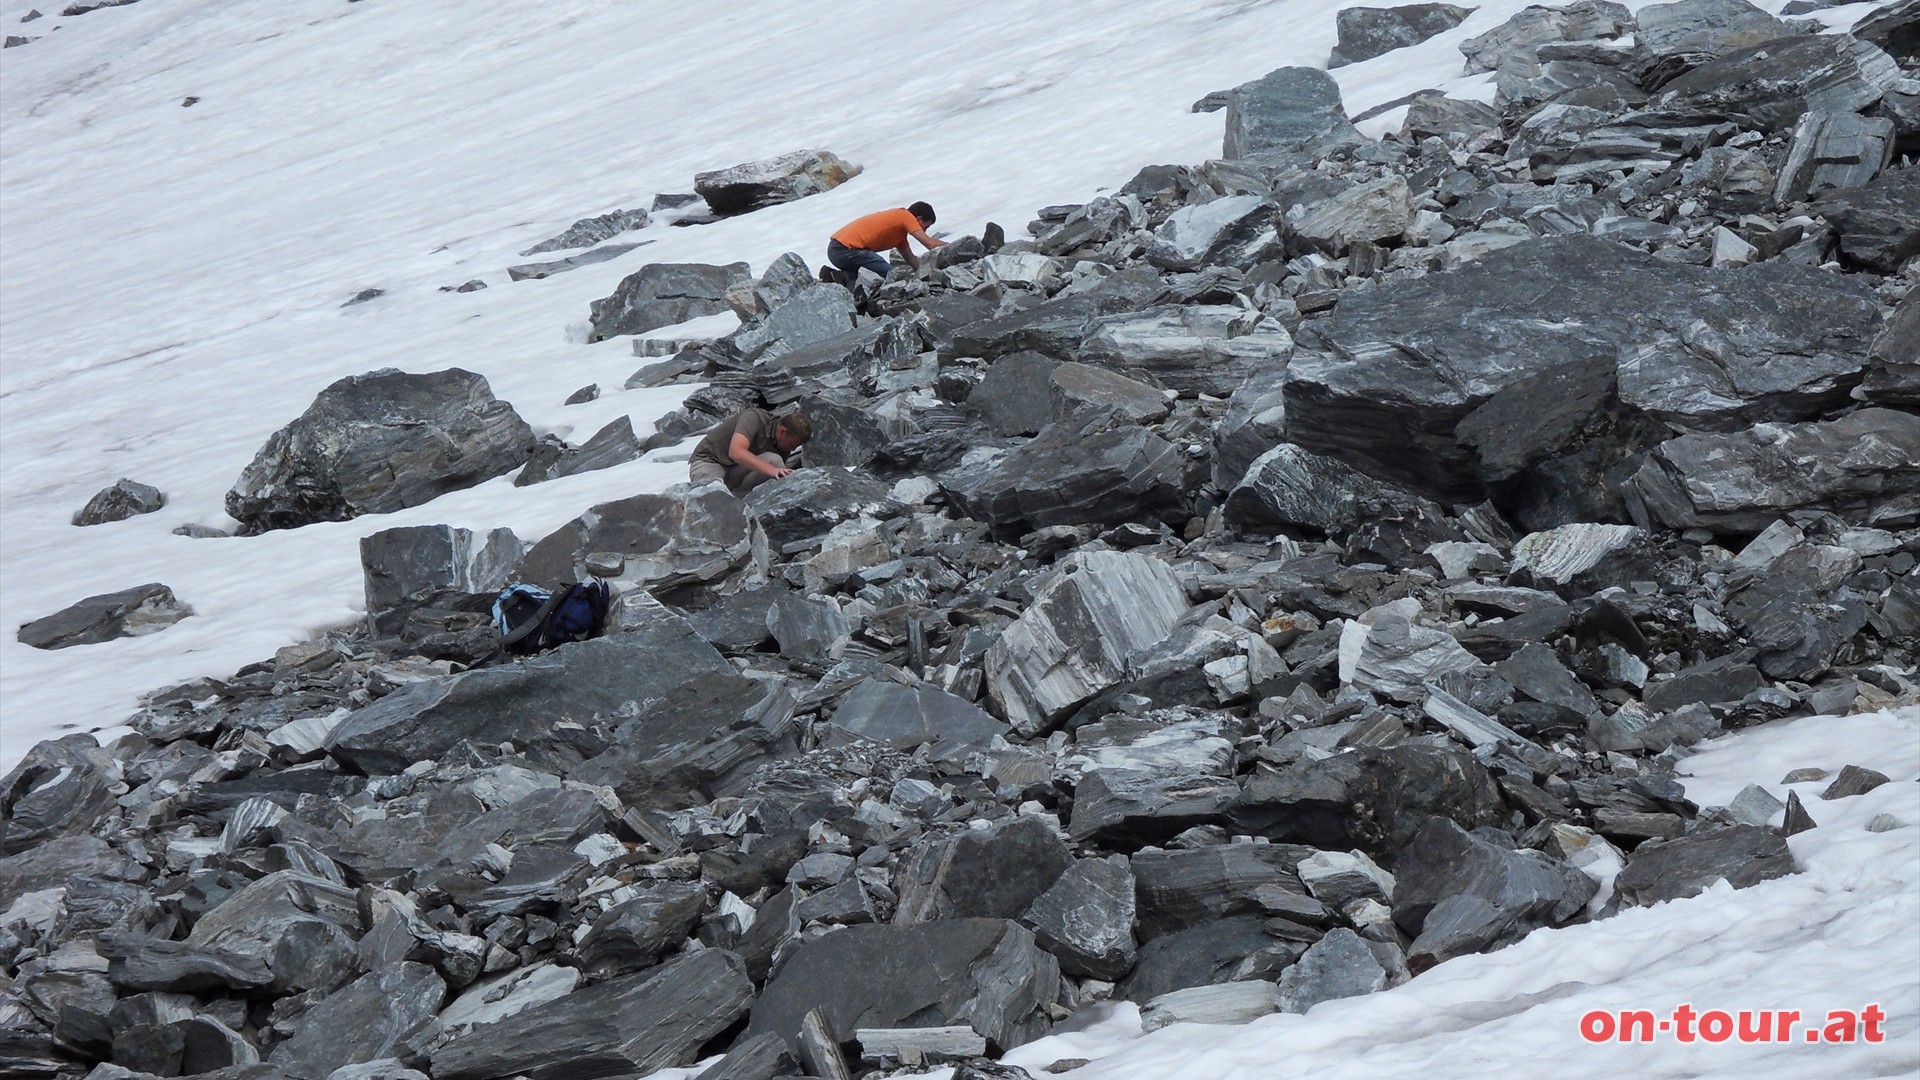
(1562, 554)
(1385, 651)
(1076, 637)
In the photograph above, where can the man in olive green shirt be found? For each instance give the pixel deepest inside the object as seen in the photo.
(748, 449)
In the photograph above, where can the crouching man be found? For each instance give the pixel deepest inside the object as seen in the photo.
(748, 449)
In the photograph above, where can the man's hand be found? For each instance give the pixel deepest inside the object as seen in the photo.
(779, 473)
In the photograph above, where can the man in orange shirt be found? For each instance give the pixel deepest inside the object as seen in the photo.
(861, 243)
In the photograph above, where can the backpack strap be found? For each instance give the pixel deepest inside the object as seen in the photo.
(535, 621)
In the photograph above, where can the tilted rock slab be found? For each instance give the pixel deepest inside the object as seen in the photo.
(679, 537)
(1876, 221)
(1287, 110)
(1864, 466)
(605, 677)
(985, 973)
(1068, 475)
(1367, 32)
(143, 609)
(415, 565)
(772, 181)
(380, 442)
(1076, 637)
(1769, 85)
(1237, 230)
(663, 294)
(1192, 348)
(631, 1025)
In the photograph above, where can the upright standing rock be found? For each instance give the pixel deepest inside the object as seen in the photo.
(1290, 110)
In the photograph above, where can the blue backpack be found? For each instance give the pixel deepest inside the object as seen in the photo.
(532, 620)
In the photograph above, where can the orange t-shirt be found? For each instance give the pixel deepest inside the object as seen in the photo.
(883, 231)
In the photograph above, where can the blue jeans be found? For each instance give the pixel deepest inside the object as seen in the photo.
(851, 261)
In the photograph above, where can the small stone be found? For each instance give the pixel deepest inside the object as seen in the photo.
(1884, 823)
(1853, 780)
(119, 502)
(589, 392)
(1802, 776)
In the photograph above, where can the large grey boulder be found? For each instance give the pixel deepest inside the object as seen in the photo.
(626, 1026)
(1193, 348)
(580, 682)
(634, 934)
(123, 500)
(1864, 466)
(1457, 893)
(662, 294)
(1414, 381)
(1234, 949)
(1339, 965)
(1387, 651)
(303, 928)
(1053, 328)
(1081, 391)
(1076, 637)
(1367, 32)
(1236, 230)
(1288, 110)
(679, 538)
(143, 609)
(382, 1014)
(380, 442)
(1742, 855)
(1877, 226)
(418, 566)
(61, 786)
(1769, 85)
(755, 184)
(1070, 475)
(1179, 889)
(1672, 39)
(985, 973)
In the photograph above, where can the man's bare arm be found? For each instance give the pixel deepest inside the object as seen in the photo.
(741, 451)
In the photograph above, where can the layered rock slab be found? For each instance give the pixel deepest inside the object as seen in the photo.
(1399, 370)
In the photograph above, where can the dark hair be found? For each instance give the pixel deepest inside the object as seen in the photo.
(796, 425)
(922, 211)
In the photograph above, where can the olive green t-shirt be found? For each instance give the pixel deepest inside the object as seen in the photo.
(756, 424)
